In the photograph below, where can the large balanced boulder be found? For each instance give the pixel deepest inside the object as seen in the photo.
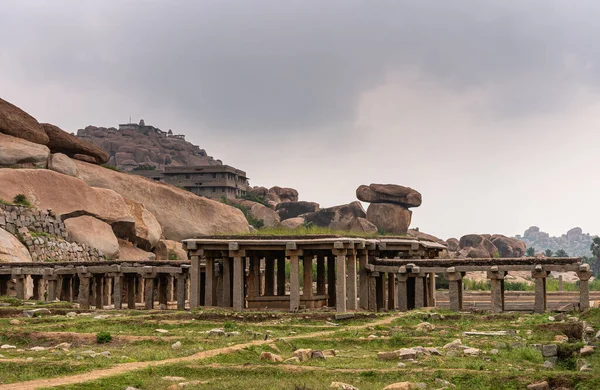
(389, 218)
(12, 250)
(343, 218)
(181, 214)
(18, 123)
(18, 151)
(62, 163)
(508, 247)
(93, 233)
(289, 210)
(67, 196)
(389, 193)
(63, 142)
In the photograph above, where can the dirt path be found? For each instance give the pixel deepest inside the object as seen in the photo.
(127, 367)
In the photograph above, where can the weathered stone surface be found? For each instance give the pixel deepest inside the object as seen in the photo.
(303, 354)
(539, 386)
(389, 218)
(18, 123)
(586, 350)
(94, 233)
(277, 195)
(170, 250)
(181, 214)
(549, 350)
(129, 252)
(388, 355)
(507, 246)
(65, 195)
(479, 243)
(17, 151)
(342, 386)
(425, 236)
(270, 357)
(85, 158)
(289, 210)
(343, 218)
(453, 244)
(12, 250)
(389, 193)
(62, 163)
(401, 386)
(147, 228)
(293, 223)
(362, 225)
(63, 142)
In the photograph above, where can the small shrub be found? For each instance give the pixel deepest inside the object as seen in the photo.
(173, 256)
(228, 325)
(22, 200)
(103, 337)
(111, 167)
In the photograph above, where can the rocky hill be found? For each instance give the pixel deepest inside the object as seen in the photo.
(574, 242)
(137, 145)
(57, 201)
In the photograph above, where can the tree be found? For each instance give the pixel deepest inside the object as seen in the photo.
(548, 253)
(561, 253)
(530, 252)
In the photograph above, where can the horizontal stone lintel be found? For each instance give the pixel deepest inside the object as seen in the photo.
(507, 268)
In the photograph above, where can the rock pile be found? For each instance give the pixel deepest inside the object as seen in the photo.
(486, 246)
(575, 242)
(389, 208)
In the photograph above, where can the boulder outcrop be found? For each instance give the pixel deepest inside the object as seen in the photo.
(18, 151)
(67, 196)
(478, 246)
(147, 229)
(170, 250)
(277, 195)
(62, 163)
(293, 223)
(127, 251)
(63, 142)
(453, 244)
(12, 250)
(347, 217)
(389, 218)
(181, 214)
(259, 211)
(18, 123)
(389, 193)
(293, 209)
(508, 247)
(95, 234)
(425, 236)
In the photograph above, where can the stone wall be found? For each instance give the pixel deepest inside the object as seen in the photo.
(44, 235)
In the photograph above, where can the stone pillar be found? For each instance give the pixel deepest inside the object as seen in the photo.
(84, 290)
(431, 301)
(149, 290)
(391, 291)
(195, 282)
(455, 289)
(227, 271)
(239, 273)
(402, 292)
(331, 291)
(584, 275)
(352, 281)
(140, 289)
(419, 292)
(281, 276)
(181, 287)
(131, 284)
(52, 283)
(307, 277)
(321, 285)
(340, 281)
(171, 288)
(163, 282)
(497, 289)
(373, 291)
(117, 293)
(293, 255)
(539, 276)
(209, 297)
(560, 282)
(98, 291)
(38, 287)
(254, 277)
(107, 291)
(363, 277)
(269, 276)
(381, 295)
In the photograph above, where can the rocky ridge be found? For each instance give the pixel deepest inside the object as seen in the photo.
(574, 242)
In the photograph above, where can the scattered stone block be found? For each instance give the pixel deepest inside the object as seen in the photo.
(561, 338)
(15, 322)
(342, 386)
(548, 365)
(35, 312)
(559, 317)
(318, 355)
(303, 354)
(385, 356)
(401, 386)
(539, 386)
(425, 327)
(161, 330)
(549, 350)
(471, 352)
(7, 346)
(456, 344)
(37, 349)
(173, 378)
(293, 359)
(176, 345)
(344, 316)
(586, 350)
(444, 383)
(270, 357)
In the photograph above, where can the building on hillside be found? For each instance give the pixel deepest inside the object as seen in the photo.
(209, 181)
(142, 128)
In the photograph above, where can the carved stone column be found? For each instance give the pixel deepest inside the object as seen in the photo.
(292, 253)
(539, 276)
(584, 274)
(455, 289)
(497, 289)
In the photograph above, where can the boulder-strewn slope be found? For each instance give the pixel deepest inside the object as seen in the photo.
(575, 242)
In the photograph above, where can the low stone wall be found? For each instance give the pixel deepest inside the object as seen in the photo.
(44, 235)
(13, 217)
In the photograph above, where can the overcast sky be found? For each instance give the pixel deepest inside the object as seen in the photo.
(491, 109)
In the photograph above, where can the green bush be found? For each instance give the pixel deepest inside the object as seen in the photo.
(22, 200)
(103, 337)
(111, 167)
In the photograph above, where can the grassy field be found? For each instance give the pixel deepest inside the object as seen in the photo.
(145, 359)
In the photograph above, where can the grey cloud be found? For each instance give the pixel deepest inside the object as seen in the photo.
(279, 65)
